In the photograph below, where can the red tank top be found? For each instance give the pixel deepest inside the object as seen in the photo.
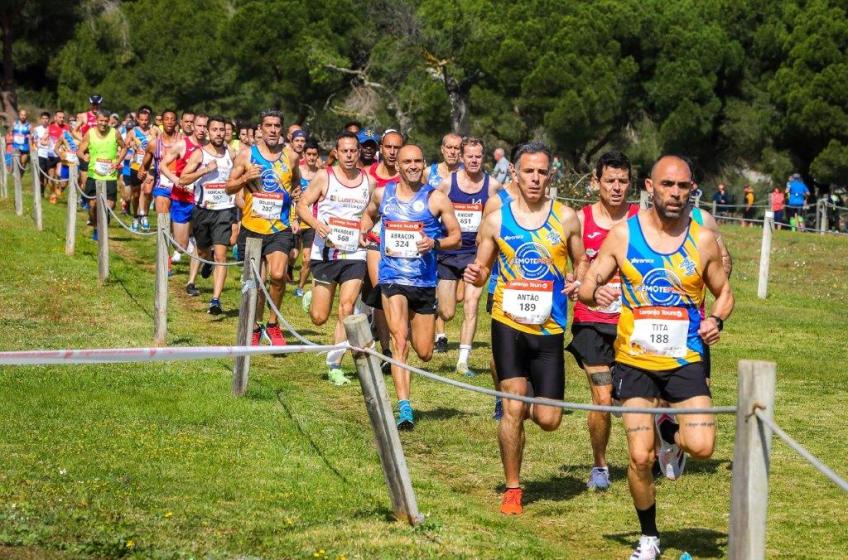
(182, 194)
(90, 121)
(379, 181)
(593, 238)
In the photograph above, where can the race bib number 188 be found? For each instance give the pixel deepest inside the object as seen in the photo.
(661, 330)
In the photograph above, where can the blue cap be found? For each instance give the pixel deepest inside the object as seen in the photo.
(367, 135)
(298, 134)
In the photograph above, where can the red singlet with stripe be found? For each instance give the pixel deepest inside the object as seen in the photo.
(177, 193)
(90, 121)
(593, 238)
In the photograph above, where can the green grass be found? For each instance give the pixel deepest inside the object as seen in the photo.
(160, 461)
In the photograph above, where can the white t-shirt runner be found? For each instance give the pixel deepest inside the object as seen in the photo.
(209, 190)
(341, 209)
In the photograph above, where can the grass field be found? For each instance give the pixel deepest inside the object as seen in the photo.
(160, 461)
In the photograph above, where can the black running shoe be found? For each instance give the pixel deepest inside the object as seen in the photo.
(441, 345)
(206, 270)
(215, 307)
(192, 290)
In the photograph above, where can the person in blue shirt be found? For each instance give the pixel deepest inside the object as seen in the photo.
(797, 194)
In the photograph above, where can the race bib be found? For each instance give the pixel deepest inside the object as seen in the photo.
(267, 206)
(344, 234)
(402, 239)
(661, 330)
(469, 216)
(615, 307)
(18, 139)
(71, 158)
(103, 167)
(215, 197)
(528, 302)
(138, 157)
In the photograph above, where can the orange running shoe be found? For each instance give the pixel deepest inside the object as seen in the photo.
(511, 502)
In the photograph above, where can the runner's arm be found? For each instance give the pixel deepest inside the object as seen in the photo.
(441, 206)
(718, 284)
(370, 215)
(574, 242)
(478, 272)
(122, 151)
(711, 224)
(83, 147)
(193, 170)
(313, 194)
(494, 187)
(148, 159)
(492, 205)
(165, 167)
(592, 290)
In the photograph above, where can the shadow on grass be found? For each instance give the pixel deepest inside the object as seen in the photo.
(700, 543)
(557, 488)
(440, 413)
(710, 466)
(118, 280)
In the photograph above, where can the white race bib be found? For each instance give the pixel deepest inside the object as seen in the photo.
(613, 308)
(469, 216)
(71, 158)
(103, 167)
(528, 302)
(18, 138)
(138, 157)
(215, 197)
(267, 206)
(344, 234)
(661, 330)
(402, 239)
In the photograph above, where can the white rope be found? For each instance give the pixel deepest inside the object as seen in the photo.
(82, 192)
(182, 250)
(48, 177)
(123, 225)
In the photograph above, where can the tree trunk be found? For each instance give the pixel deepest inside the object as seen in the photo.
(459, 111)
(7, 86)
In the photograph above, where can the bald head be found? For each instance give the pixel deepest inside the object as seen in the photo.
(410, 164)
(671, 164)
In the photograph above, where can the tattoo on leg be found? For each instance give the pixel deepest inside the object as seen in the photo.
(600, 379)
(638, 429)
(700, 424)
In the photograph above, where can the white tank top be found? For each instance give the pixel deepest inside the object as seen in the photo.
(341, 209)
(209, 189)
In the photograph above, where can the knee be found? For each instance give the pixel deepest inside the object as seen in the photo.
(548, 420)
(318, 316)
(642, 459)
(446, 314)
(701, 449)
(400, 343)
(220, 258)
(345, 308)
(426, 355)
(278, 277)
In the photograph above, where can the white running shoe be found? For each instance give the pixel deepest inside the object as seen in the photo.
(306, 301)
(176, 257)
(648, 549)
(672, 459)
(191, 245)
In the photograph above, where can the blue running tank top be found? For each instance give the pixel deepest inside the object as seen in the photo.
(469, 213)
(404, 224)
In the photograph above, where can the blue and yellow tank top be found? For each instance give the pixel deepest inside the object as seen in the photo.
(531, 274)
(506, 198)
(268, 209)
(661, 294)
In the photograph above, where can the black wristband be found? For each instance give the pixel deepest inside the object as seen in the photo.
(436, 244)
(719, 322)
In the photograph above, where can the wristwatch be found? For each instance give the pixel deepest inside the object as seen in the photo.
(719, 322)
(436, 244)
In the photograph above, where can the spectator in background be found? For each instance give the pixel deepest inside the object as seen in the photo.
(721, 200)
(557, 169)
(748, 211)
(797, 194)
(501, 171)
(777, 201)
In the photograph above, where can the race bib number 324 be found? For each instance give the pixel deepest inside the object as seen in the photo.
(402, 239)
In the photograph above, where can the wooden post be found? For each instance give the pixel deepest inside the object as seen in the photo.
(644, 199)
(160, 301)
(247, 311)
(765, 255)
(4, 178)
(102, 232)
(715, 208)
(404, 504)
(749, 479)
(36, 199)
(71, 221)
(824, 225)
(19, 195)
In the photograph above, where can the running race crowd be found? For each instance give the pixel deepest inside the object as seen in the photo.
(405, 241)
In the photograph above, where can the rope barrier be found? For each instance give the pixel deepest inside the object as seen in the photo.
(151, 354)
(48, 177)
(798, 448)
(184, 251)
(82, 192)
(125, 226)
(273, 307)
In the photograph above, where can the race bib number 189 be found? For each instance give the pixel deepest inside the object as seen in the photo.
(402, 239)
(528, 302)
(661, 330)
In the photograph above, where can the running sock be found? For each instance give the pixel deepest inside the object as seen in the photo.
(404, 405)
(648, 521)
(334, 358)
(668, 429)
(464, 351)
(440, 335)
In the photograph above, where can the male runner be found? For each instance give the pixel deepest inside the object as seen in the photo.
(22, 135)
(266, 173)
(105, 151)
(368, 145)
(594, 328)
(332, 209)
(88, 120)
(182, 197)
(411, 234)
(308, 170)
(54, 134)
(208, 169)
(532, 238)
(468, 190)
(666, 260)
(40, 143)
(156, 152)
(140, 138)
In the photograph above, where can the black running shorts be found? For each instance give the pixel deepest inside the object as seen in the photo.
(673, 385)
(592, 344)
(421, 300)
(111, 188)
(212, 227)
(279, 242)
(337, 272)
(451, 266)
(539, 358)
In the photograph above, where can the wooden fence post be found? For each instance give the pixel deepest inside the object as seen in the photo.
(160, 301)
(4, 178)
(16, 173)
(765, 255)
(102, 232)
(36, 199)
(824, 223)
(749, 479)
(71, 220)
(404, 504)
(247, 311)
